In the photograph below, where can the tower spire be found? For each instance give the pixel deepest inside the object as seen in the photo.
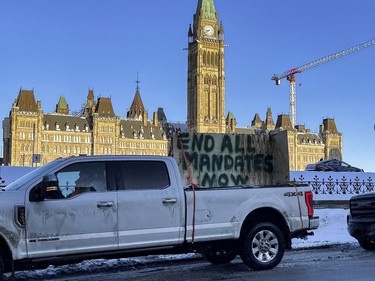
(137, 81)
(206, 9)
(137, 109)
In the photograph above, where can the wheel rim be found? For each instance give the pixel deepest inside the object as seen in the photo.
(265, 246)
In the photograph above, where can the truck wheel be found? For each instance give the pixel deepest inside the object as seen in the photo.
(366, 244)
(219, 255)
(263, 246)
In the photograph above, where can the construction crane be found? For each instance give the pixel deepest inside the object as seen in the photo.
(290, 74)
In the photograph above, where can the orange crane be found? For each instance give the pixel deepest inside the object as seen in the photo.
(290, 74)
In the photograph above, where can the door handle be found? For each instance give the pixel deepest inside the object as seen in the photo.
(169, 200)
(104, 204)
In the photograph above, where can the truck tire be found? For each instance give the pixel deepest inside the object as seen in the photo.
(366, 244)
(263, 246)
(219, 255)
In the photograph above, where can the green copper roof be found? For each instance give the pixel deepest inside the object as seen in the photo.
(62, 102)
(206, 9)
(230, 116)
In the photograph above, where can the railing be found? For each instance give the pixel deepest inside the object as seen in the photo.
(336, 183)
(2, 183)
(344, 185)
(334, 189)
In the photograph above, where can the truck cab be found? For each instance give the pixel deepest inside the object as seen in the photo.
(82, 205)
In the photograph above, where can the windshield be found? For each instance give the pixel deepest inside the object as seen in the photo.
(29, 176)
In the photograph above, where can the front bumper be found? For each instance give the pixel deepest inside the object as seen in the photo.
(361, 230)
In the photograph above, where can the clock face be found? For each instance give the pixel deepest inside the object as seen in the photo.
(208, 30)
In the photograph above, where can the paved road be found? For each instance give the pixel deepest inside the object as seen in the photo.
(335, 262)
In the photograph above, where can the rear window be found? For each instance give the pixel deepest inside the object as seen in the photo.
(141, 175)
(310, 167)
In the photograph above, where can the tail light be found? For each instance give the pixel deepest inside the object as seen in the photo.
(309, 203)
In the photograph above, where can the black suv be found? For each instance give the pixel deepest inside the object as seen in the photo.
(361, 219)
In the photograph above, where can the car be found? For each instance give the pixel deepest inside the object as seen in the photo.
(332, 165)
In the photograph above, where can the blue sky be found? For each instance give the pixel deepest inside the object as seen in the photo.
(65, 47)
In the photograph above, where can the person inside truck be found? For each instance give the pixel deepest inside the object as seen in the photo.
(88, 180)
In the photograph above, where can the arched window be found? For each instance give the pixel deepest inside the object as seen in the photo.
(206, 79)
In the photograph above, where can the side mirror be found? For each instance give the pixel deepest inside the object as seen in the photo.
(45, 189)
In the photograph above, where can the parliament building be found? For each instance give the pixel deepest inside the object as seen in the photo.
(33, 138)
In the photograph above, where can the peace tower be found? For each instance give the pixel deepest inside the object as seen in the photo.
(206, 76)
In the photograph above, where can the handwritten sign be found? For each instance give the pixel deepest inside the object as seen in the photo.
(222, 160)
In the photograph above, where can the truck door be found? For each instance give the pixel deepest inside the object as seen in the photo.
(77, 216)
(151, 207)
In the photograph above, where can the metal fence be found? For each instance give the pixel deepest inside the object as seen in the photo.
(342, 185)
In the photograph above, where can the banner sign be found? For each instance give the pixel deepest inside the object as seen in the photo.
(223, 160)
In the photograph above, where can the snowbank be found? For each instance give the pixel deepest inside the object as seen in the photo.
(332, 230)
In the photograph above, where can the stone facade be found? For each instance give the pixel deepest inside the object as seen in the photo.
(304, 146)
(32, 138)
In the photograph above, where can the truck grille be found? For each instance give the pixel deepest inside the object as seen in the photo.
(363, 208)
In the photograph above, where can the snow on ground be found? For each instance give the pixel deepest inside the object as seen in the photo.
(332, 229)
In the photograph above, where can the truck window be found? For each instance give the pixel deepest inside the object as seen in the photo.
(142, 175)
(82, 177)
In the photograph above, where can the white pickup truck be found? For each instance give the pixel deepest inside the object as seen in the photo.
(86, 207)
